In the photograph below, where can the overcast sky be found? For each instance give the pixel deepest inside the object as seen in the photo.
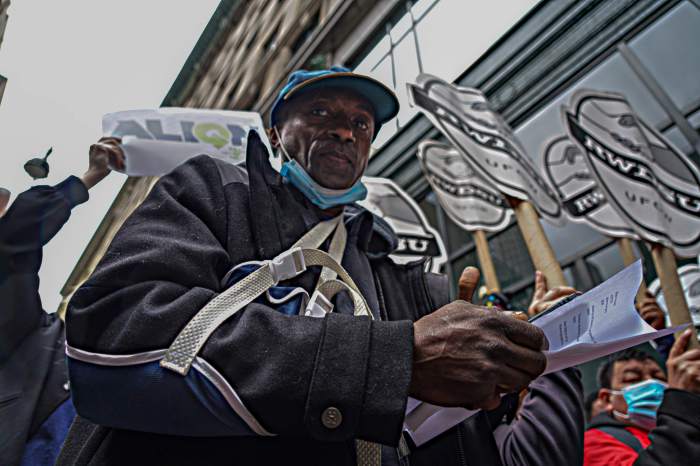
(67, 64)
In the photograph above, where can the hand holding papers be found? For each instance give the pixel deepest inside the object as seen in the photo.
(599, 322)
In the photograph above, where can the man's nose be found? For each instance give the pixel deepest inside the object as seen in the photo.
(343, 133)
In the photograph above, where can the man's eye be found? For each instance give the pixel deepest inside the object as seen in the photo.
(319, 112)
(362, 124)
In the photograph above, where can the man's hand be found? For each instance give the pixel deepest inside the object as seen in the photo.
(543, 298)
(684, 366)
(104, 155)
(467, 355)
(650, 311)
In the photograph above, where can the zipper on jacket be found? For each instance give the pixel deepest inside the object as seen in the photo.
(460, 447)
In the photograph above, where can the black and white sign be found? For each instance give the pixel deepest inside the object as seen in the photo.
(564, 167)
(468, 200)
(464, 116)
(690, 282)
(417, 238)
(653, 186)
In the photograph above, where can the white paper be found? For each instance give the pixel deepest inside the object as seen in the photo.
(158, 140)
(595, 324)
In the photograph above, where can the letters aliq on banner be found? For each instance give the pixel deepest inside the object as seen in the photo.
(156, 141)
(652, 185)
(464, 116)
(468, 200)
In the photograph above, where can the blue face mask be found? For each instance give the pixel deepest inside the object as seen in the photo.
(324, 198)
(643, 400)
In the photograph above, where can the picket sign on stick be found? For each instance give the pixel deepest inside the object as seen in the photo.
(541, 251)
(629, 258)
(650, 183)
(667, 269)
(488, 145)
(488, 270)
(469, 200)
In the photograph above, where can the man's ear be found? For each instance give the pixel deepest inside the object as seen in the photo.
(604, 395)
(273, 135)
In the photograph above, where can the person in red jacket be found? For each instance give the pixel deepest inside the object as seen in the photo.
(648, 418)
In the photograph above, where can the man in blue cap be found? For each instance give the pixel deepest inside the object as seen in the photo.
(204, 336)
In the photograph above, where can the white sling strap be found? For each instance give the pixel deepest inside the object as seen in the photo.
(289, 264)
(183, 351)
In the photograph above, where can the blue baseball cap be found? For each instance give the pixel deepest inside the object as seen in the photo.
(382, 99)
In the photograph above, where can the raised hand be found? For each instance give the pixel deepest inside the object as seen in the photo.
(684, 365)
(543, 297)
(104, 156)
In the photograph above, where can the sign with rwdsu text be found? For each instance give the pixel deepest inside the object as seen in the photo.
(158, 140)
(651, 184)
(481, 135)
(564, 167)
(467, 199)
(417, 238)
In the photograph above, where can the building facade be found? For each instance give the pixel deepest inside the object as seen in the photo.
(527, 58)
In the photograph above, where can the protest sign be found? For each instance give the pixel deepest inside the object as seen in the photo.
(564, 167)
(158, 140)
(481, 135)
(417, 238)
(652, 185)
(689, 276)
(468, 200)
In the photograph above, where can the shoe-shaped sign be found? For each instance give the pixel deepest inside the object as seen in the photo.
(651, 184)
(481, 135)
(417, 238)
(564, 167)
(468, 200)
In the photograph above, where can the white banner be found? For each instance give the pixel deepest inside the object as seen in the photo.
(468, 200)
(564, 167)
(417, 238)
(690, 282)
(652, 185)
(156, 141)
(464, 116)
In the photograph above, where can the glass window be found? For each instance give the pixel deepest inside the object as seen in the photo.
(440, 27)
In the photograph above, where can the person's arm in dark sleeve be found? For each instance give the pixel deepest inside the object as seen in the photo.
(38, 214)
(548, 429)
(166, 263)
(31, 221)
(676, 438)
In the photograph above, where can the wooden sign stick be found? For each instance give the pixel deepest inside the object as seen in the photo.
(628, 258)
(488, 270)
(541, 252)
(667, 269)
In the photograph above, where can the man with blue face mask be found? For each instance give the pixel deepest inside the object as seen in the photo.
(281, 377)
(648, 418)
